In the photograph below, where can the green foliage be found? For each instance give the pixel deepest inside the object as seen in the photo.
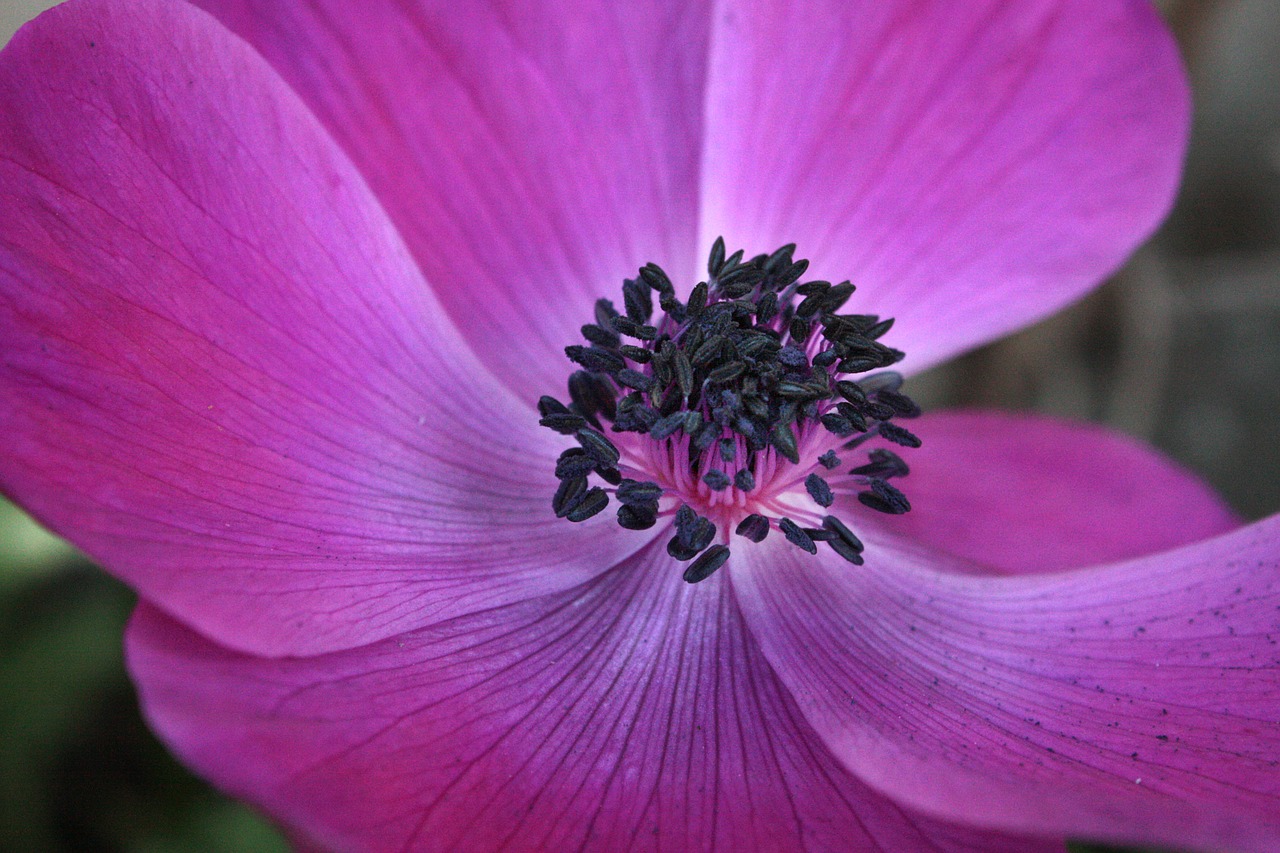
(78, 768)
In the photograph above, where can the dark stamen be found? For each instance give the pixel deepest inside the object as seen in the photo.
(754, 527)
(898, 435)
(717, 257)
(693, 533)
(819, 490)
(902, 405)
(796, 536)
(784, 440)
(592, 396)
(634, 379)
(837, 527)
(845, 550)
(551, 406)
(595, 359)
(639, 303)
(632, 329)
(884, 498)
(632, 492)
(666, 427)
(640, 355)
(754, 369)
(574, 462)
(702, 568)
(600, 336)
(884, 464)
(565, 423)
(638, 516)
(598, 447)
(717, 480)
(851, 391)
(568, 495)
(592, 502)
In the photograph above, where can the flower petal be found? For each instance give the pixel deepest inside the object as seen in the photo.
(970, 166)
(532, 154)
(1023, 493)
(1137, 703)
(223, 377)
(634, 713)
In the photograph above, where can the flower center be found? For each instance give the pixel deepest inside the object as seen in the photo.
(732, 412)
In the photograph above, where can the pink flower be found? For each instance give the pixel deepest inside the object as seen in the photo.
(275, 310)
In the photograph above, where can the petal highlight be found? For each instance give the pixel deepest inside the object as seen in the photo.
(1135, 703)
(971, 167)
(223, 376)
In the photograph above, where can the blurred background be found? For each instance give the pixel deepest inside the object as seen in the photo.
(1182, 349)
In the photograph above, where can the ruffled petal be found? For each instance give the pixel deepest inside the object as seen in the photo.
(223, 376)
(1022, 493)
(970, 166)
(531, 154)
(632, 714)
(1135, 703)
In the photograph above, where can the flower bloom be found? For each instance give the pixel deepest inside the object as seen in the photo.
(282, 285)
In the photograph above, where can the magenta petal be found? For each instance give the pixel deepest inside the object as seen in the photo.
(1137, 703)
(224, 377)
(532, 154)
(970, 166)
(1024, 493)
(632, 714)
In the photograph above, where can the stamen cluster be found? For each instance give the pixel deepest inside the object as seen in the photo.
(753, 369)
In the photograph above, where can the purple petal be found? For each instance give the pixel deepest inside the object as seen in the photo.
(634, 713)
(532, 154)
(223, 376)
(1022, 493)
(1135, 703)
(970, 166)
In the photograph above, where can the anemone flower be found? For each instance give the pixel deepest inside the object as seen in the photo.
(288, 291)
